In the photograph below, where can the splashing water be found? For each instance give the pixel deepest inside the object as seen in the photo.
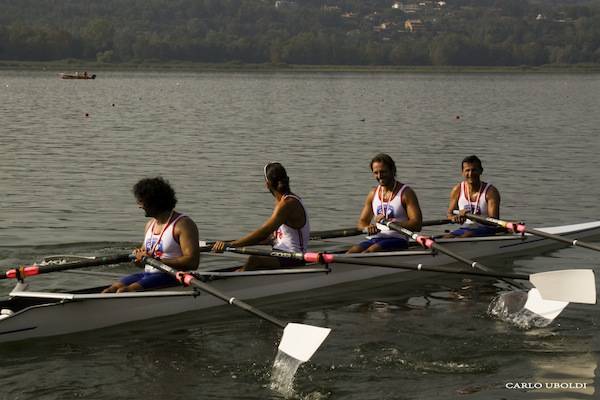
(510, 307)
(283, 374)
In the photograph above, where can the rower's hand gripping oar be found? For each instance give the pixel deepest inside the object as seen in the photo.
(299, 341)
(31, 270)
(521, 228)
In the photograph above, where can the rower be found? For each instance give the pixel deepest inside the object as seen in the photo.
(390, 200)
(473, 196)
(287, 229)
(170, 237)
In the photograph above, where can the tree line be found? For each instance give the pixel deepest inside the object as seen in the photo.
(317, 32)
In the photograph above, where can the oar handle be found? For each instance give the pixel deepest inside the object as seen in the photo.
(31, 270)
(322, 258)
(269, 253)
(188, 279)
(513, 226)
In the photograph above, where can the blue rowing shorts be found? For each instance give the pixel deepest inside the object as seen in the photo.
(386, 244)
(150, 280)
(482, 230)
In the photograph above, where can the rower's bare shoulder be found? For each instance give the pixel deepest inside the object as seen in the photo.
(148, 223)
(187, 224)
(290, 203)
(371, 193)
(492, 192)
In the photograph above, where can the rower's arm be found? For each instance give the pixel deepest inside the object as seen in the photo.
(278, 218)
(146, 227)
(366, 215)
(187, 232)
(413, 211)
(492, 197)
(454, 194)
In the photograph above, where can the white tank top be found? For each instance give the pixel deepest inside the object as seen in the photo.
(477, 207)
(392, 208)
(292, 239)
(162, 245)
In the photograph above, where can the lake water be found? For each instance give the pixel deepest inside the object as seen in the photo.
(70, 152)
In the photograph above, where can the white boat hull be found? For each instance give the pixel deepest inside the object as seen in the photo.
(40, 314)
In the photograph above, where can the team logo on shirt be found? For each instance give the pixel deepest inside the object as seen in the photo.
(390, 212)
(472, 209)
(158, 251)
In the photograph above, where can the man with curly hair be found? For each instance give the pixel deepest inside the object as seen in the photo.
(170, 237)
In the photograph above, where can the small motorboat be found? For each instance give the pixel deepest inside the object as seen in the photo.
(76, 75)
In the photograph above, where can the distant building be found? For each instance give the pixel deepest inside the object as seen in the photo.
(414, 25)
(406, 8)
(281, 4)
(327, 8)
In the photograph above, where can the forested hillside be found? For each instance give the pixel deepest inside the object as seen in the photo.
(347, 32)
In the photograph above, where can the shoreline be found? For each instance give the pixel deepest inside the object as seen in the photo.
(94, 67)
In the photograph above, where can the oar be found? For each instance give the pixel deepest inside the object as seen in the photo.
(354, 231)
(554, 290)
(521, 228)
(299, 341)
(573, 285)
(429, 243)
(30, 270)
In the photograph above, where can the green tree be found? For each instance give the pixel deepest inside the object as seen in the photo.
(97, 36)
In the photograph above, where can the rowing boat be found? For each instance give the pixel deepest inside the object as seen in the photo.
(28, 314)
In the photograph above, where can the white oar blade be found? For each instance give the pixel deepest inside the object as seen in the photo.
(574, 285)
(301, 341)
(549, 309)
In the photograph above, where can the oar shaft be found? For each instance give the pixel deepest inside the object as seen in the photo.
(345, 259)
(520, 228)
(431, 244)
(188, 279)
(251, 251)
(32, 270)
(335, 233)
(344, 232)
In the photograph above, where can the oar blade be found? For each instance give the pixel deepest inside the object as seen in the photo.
(574, 285)
(300, 341)
(549, 309)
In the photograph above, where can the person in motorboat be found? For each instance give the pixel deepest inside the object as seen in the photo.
(287, 229)
(390, 200)
(170, 236)
(474, 196)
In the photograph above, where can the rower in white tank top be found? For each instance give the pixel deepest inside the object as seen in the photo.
(292, 239)
(392, 209)
(478, 206)
(162, 245)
